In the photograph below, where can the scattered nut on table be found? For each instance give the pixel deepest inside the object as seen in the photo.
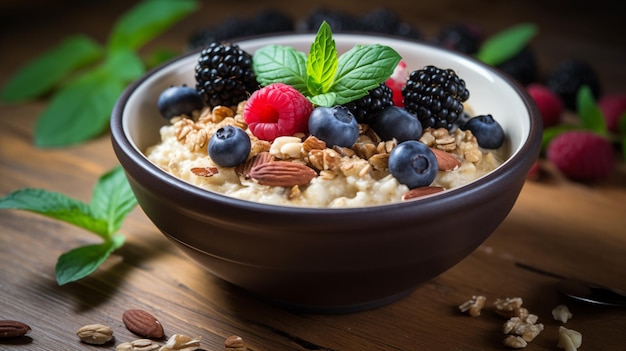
(179, 342)
(473, 306)
(95, 334)
(234, 343)
(569, 339)
(138, 345)
(561, 313)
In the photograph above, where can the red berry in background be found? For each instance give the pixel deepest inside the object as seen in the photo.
(277, 110)
(397, 81)
(548, 102)
(613, 106)
(582, 155)
(534, 173)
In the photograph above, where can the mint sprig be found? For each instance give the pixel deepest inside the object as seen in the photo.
(323, 76)
(112, 200)
(85, 78)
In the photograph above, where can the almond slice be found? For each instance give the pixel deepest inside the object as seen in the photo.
(282, 173)
(446, 160)
(204, 171)
(421, 191)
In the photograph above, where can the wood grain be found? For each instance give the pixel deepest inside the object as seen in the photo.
(557, 225)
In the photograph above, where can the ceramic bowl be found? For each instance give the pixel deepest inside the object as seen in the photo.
(320, 259)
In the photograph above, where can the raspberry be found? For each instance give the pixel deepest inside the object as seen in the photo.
(277, 110)
(613, 106)
(549, 103)
(397, 81)
(582, 155)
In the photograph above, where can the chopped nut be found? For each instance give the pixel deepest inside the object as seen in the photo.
(510, 307)
(511, 324)
(234, 343)
(473, 306)
(515, 342)
(313, 143)
(561, 313)
(569, 339)
(179, 342)
(282, 149)
(221, 112)
(204, 171)
(364, 150)
(138, 345)
(95, 334)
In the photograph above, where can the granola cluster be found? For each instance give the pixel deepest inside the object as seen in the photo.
(366, 161)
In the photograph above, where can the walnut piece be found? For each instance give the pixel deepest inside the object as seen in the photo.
(561, 313)
(473, 306)
(234, 343)
(569, 339)
(179, 342)
(511, 307)
(515, 342)
(95, 334)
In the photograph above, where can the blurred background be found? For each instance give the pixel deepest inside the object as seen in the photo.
(590, 31)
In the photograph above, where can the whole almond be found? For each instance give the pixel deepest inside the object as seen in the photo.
(12, 329)
(258, 159)
(282, 173)
(143, 324)
(421, 191)
(446, 160)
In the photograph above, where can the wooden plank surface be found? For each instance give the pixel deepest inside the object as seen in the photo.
(559, 226)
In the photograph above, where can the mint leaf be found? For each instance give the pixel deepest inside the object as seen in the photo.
(361, 69)
(55, 205)
(113, 199)
(41, 74)
(327, 99)
(322, 61)
(589, 113)
(79, 111)
(82, 261)
(506, 44)
(147, 20)
(280, 64)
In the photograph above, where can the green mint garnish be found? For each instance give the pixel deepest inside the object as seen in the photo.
(111, 201)
(86, 78)
(323, 76)
(506, 44)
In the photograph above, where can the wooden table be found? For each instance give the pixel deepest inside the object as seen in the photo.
(559, 226)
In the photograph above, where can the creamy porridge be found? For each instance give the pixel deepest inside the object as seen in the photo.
(345, 177)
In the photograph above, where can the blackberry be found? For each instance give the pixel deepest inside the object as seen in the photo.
(459, 37)
(568, 77)
(224, 75)
(521, 67)
(435, 96)
(365, 108)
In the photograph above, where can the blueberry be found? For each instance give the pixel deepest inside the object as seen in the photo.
(179, 100)
(488, 132)
(396, 122)
(229, 146)
(334, 125)
(413, 164)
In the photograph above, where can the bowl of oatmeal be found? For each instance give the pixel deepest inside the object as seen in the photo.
(310, 224)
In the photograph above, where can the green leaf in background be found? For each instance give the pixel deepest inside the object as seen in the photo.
(41, 74)
(78, 112)
(123, 65)
(113, 199)
(82, 261)
(147, 20)
(277, 63)
(159, 56)
(321, 64)
(506, 44)
(361, 69)
(588, 111)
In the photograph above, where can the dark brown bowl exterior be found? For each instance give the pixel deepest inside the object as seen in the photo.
(325, 260)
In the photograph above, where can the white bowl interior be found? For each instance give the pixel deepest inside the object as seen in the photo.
(490, 93)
